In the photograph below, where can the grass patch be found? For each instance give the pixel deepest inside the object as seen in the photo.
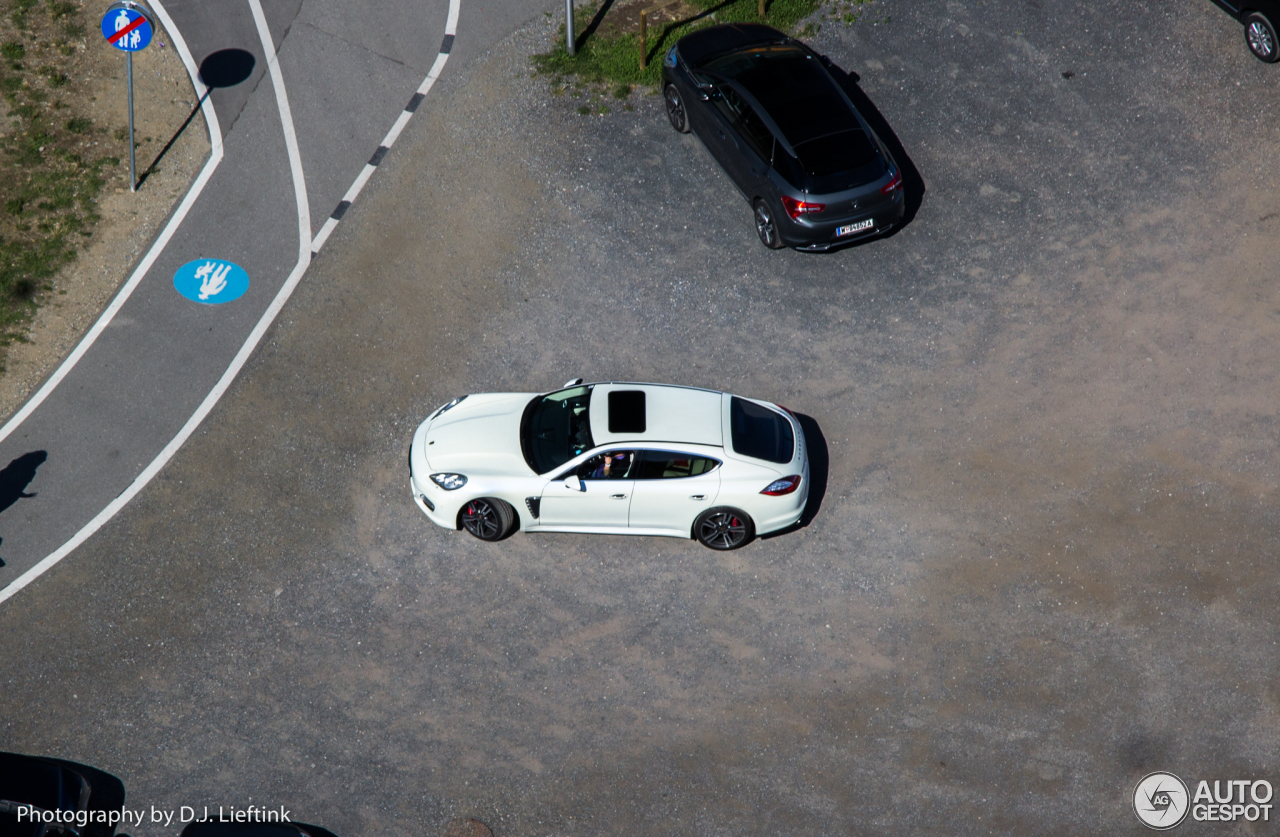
(611, 53)
(850, 12)
(50, 170)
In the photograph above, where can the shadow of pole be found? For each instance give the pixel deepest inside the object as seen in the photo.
(675, 24)
(599, 16)
(593, 25)
(224, 68)
(142, 178)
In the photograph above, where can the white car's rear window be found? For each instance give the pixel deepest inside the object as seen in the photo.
(760, 433)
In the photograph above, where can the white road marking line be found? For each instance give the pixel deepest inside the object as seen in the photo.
(215, 157)
(329, 226)
(390, 139)
(290, 141)
(442, 58)
(304, 258)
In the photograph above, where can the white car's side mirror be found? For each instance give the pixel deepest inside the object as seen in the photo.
(573, 483)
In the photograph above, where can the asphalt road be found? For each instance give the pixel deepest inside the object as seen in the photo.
(1043, 564)
(348, 74)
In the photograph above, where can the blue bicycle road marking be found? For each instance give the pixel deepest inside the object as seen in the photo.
(211, 281)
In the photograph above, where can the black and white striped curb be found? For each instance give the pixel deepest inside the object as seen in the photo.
(389, 140)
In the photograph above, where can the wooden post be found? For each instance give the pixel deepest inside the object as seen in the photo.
(644, 37)
(760, 9)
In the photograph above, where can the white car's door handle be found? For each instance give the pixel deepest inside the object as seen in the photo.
(697, 496)
(619, 497)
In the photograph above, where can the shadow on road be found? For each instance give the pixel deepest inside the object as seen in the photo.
(224, 68)
(15, 478)
(17, 475)
(912, 182)
(819, 464)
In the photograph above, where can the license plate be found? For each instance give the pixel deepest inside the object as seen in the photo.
(858, 227)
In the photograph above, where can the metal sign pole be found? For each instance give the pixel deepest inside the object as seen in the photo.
(569, 37)
(133, 166)
(127, 26)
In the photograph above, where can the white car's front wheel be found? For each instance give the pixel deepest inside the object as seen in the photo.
(723, 528)
(487, 518)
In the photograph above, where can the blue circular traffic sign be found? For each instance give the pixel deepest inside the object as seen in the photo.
(127, 27)
(211, 281)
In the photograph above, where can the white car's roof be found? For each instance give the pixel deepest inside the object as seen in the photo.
(656, 413)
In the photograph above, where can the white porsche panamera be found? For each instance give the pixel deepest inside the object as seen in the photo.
(613, 458)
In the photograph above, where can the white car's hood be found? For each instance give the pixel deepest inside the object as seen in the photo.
(481, 435)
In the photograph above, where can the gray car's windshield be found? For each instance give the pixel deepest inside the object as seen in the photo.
(556, 428)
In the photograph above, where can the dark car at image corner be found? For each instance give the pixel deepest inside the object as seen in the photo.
(230, 828)
(43, 797)
(1260, 18)
(773, 116)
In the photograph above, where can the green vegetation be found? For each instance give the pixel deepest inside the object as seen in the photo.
(611, 55)
(849, 11)
(50, 176)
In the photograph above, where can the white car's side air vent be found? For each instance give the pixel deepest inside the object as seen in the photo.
(534, 504)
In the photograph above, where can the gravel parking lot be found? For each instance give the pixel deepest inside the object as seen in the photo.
(1043, 562)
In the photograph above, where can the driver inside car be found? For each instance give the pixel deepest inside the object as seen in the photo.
(614, 465)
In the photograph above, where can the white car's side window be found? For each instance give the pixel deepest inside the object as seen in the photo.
(614, 465)
(666, 464)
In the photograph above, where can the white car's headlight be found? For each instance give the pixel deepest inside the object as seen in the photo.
(449, 482)
(455, 402)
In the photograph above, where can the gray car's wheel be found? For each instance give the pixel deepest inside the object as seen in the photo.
(766, 227)
(487, 518)
(723, 527)
(675, 109)
(1260, 34)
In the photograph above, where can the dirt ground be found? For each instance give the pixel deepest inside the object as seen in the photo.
(163, 98)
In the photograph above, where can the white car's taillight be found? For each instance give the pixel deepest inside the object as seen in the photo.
(786, 485)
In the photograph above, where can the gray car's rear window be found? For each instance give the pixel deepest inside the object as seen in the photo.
(760, 433)
(834, 153)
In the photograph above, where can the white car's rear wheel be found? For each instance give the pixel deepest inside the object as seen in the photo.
(487, 518)
(723, 528)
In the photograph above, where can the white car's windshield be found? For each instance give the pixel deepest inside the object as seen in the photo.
(556, 428)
